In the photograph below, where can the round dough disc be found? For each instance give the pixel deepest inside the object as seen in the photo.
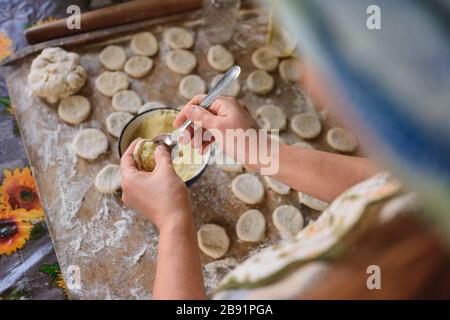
(144, 44)
(288, 220)
(290, 70)
(178, 38)
(109, 83)
(312, 202)
(127, 101)
(181, 61)
(341, 140)
(302, 144)
(232, 90)
(90, 143)
(116, 121)
(108, 179)
(260, 82)
(277, 186)
(226, 163)
(271, 117)
(138, 66)
(150, 105)
(220, 58)
(264, 59)
(213, 240)
(306, 125)
(248, 188)
(113, 58)
(74, 109)
(251, 226)
(190, 86)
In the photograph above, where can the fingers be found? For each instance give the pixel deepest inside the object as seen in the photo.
(162, 158)
(197, 99)
(127, 163)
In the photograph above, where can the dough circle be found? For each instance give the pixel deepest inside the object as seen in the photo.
(74, 109)
(289, 70)
(181, 61)
(108, 179)
(213, 240)
(277, 186)
(150, 105)
(109, 83)
(144, 44)
(248, 188)
(226, 163)
(127, 101)
(251, 226)
(113, 58)
(271, 117)
(306, 125)
(302, 144)
(260, 82)
(178, 38)
(341, 140)
(312, 202)
(190, 86)
(219, 58)
(264, 59)
(232, 90)
(90, 143)
(138, 66)
(288, 220)
(116, 121)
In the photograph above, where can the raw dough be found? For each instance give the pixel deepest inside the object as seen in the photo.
(108, 179)
(264, 59)
(213, 240)
(190, 86)
(260, 82)
(116, 121)
(251, 226)
(248, 188)
(288, 220)
(90, 143)
(178, 38)
(289, 70)
(220, 58)
(302, 144)
(181, 61)
(312, 202)
(143, 155)
(306, 125)
(56, 74)
(127, 101)
(277, 186)
(138, 66)
(150, 105)
(113, 58)
(109, 83)
(144, 44)
(226, 163)
(74, 109)
(271, 117)
(232, 90)
(341, 140)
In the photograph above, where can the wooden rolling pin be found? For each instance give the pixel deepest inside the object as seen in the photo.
(119, 14)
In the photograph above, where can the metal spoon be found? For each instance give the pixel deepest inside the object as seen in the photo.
(171, 139)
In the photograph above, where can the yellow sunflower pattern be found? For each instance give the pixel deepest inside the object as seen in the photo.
(5, 46)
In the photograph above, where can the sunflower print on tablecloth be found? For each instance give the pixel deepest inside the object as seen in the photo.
(5, 46)
(14, 231)
(55, 271)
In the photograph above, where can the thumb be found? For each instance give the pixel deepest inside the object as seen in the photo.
(199, 114)
(162, 158)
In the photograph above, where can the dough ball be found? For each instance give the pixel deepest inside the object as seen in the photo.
(251, 226)
(144, 44)
(139, 66)
(226, 163)
(150, 105)
(213, 240)
(264, 59)
(302, 144)
(271, 117)
(260, 82)
(109, 83)
(116, 121)
(90, 143)
(144, 155)
(306, 125)
(74, 109)
(56, 74)
(108, 179)
(113, 58)
(312, 202)
(341, 140)
(232, 90)
(277, 186)
(190, 86)
(248, 188)
(178, 38)
(181, 61)
(127, 101)
(288, 220)
(290, 70)
(220, 58)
